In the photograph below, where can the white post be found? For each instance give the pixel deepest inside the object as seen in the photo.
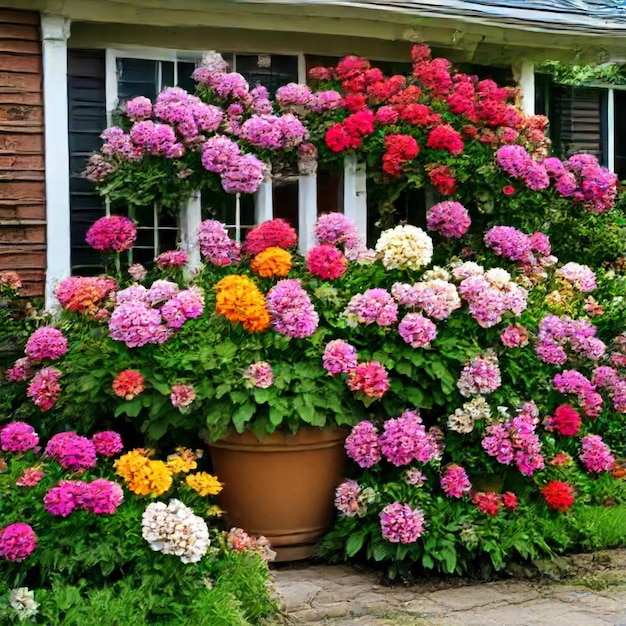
(190, 219)
(527, 86)
(55, 31)
(355, 193)
(263, 202)
(610, 130)
(307, 211)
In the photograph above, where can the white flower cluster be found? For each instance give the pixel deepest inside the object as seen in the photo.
(174, 529)
(405, 247)
(23, 601)
(463, 419)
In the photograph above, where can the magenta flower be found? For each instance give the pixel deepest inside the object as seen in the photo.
(405, 440)
(46, 343)
(455, 482)
(370, 378)
(416, 330)
(136, 324)
(17, 541)
(215, 244)
(185, 305)
(66, 496)
(449, 218)
(399, 523)
(107, 443)
(102, 497)
(20, 371)
(18, 437)
(44, 388)
(291, 309)
(71, 451)
(374, 306)
(362, 444)
(339, 357)
(172, 258)
(112, 233)
(596, 455)
(139, 108)
(326, 262)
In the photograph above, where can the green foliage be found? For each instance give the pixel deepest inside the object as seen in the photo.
(566, 74)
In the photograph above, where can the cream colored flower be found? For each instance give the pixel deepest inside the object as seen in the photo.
(405, 247)
(23, 601)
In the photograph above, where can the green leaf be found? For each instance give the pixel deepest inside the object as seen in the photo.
(156, 430)
(427, 561)
(242, 415)
(162, 388)
(305, 410)
(132, 408)
(404, 367)
(355, 543)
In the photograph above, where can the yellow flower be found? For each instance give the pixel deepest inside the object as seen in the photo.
(205, 484)
(143, 476)
(272, 262)
(184, 460)
(240, 300)
(214, 511)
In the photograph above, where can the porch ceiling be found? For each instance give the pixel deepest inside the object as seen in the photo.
(492, 40)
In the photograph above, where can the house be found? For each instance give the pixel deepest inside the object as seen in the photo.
(65, 65)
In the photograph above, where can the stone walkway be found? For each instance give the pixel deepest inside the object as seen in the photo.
(583, 590)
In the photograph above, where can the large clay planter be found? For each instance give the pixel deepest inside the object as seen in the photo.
(282, 486)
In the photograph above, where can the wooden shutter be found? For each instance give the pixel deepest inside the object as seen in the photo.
(22, 189)
(87, 120)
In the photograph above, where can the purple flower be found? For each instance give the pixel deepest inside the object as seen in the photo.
(449, 218)
(291, 309)
(417, 330)
(18, 437)
(215, 244)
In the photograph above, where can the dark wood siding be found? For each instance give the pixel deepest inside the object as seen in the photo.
(87, 120)
(22, 190)
(578, 121)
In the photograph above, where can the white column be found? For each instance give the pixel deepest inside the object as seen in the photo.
(527, 86)
(307, 211)
(264, 202)
(55, 31)
(610, 130)
(190, 219)
(355, 193)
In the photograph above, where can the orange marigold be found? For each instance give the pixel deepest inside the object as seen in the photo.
(143, 476)
(272, 262)
(240, 300)
(204, 483)
(184, 460)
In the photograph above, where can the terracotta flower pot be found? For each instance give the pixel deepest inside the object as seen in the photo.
(282, 486)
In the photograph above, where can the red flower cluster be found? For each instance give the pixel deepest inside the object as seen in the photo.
(276, 233)
(441, 179)
(348, 135)
(566, 421)
(558, 495)
(490, 503)
(128, 384)
(399, 150)
(444, 137)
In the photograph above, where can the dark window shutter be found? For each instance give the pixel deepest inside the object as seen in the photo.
(578, 120)
(87, 120)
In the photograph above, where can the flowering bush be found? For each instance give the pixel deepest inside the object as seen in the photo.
(67, 520)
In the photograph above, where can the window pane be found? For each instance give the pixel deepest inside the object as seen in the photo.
(167, 74)
(282, 69)
(136, 77)
(185, 70)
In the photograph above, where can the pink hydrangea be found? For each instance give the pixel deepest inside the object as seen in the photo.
(455, 481)
(416, 330)
(436, 298)
(30, 477)
(44, 389)
(272, 233)
(102, 497)
(137, 271)
(136, 324)
(46, 343)
(64, 497)
(219, 153)
(112, 233)
(399, 523)
(510, 243)
(17, 541)
(347, 498)
(186, 304)
(405, 440)
(339, 357)
(480, 376)
(139, 108)
(182, 396)
(449, 218)
(362, 444)
(370, 378)
(514, 336)
(172, 258)
(244, 174)
(291, 309)
(579, 276)
(596, 455)
(20, 371)
(374, 306)
(260, 374)
(107, 443)
(326, 262)
(215, 244)
(18, 437)
(71, 451)
(334, 229)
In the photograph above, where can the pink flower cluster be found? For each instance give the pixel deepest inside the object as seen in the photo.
(579, 276)
(596, 187)
(30, 477)
(18, 437)
(100, 497)
(436, 298)
(291, 309)
(405, 440)
(449, 218)
(274, 132)
(374, 306)
(326, 262)
(155, 139)
(112, 233)
(72, 452)
(518, 163)
(83, 294)
(20, 371)
(107, 443)
(455, 481)
(369, 378)
(339, 357)
(172, 258)
(572, 381)
(351, 499)
(515, 441)
(17, 541)
(362, 444)
(555, 334)
(491, 295)
(136, 324)
(596, 455)
(481, 375)
(215, 244)
(46, 343)
(416, 330)
(514, 336)
(44, 389)
(337, 229)
(182, 396)
(187, 304)
(399, 523)
(608, 378)
(260, 374)
(276, 233)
